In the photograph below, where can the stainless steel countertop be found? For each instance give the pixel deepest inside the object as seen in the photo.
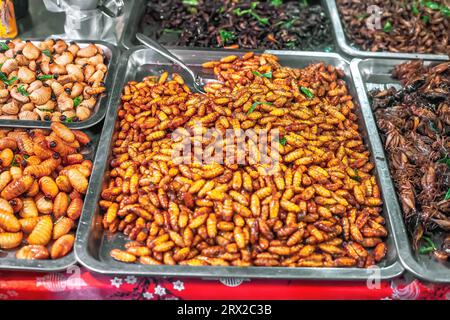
(41, 23)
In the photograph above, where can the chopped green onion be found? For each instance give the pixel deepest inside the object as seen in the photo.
(267, 75)
(250, 11)
(276, 3)
(424, 249)
(445, 160)
(447, 195)
(68, 120)
(255, 104)
(5, 79)
(226, 36)
(47, 53)
(283, 141)
(290, 44)
(166, 30)
(45, 77)
(387, 27)
(307, 92)
(77, 101)
(21, 89)
(254, 4)
(432, 5)
(190, 2)
(4, 46)
(415, 10)
(327, 49)
(47, 110)
(14, 162)
(445, 11)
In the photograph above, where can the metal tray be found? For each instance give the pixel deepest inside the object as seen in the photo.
(350, 50)
(93, 244)
(112, 54)
(128, 39)
(370, 74)
(8, 260)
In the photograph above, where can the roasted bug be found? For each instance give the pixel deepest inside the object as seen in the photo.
(36, 208)
(43, 84)
(318, 206)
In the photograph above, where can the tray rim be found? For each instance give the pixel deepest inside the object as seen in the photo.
(87, 219)
(343, 44)
(404, 249)
(103, 102)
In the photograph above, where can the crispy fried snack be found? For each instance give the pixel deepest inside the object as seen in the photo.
(40, 197)
(320, 207)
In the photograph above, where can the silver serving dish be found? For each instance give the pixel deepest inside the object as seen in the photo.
(371, 74)
(348, 49)
(8, 260)
(93, 244)
(112, 54)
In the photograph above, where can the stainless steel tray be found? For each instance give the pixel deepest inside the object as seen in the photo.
(376, 73)
(8, 261)
(128, 39)
(93, 244)
(112, 54)
(350, 50)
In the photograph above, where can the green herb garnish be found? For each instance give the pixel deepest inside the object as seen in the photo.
(166, 30)
(267, 75)
(387, 27)
(276, 3)
(425, 249)
(45, 77)
(290, 44)
(77, 101)
(445, 160)
(221, 10)
(307, 92)
(192, 3)
(47, 53)
(68, 120)
(255, 104)
(432, 5)
(447, 195)
(415, 10)
(283, 141)
(21, 89)
(4, 46)
(226, 36)
(446, 11)
(14, 162)
(250, 11)
(5, 79)
(425, 19)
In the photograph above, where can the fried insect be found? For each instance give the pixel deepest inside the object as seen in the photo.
(39, 203)
(318, 205)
